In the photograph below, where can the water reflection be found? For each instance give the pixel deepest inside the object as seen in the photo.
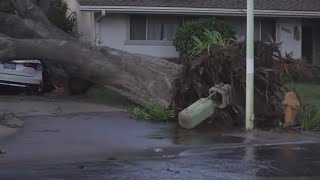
(180, 136)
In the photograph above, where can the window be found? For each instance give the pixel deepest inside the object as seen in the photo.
(240, 28)
(161, 28)
(268, 30)
(137, 28)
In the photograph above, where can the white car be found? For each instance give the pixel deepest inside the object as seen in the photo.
(22, 73)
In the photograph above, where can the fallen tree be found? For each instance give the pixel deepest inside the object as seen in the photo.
(143, 79)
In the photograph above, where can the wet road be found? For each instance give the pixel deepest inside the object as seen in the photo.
(64, 150)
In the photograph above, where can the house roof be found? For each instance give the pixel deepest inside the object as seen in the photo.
(270, 8)
(280, 5)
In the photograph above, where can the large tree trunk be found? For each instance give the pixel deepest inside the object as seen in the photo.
(143, 79)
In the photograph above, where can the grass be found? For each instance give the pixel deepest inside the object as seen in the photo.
(310, 118)
(309, 94)
(155, 112)
(158, 112)
(140, 114)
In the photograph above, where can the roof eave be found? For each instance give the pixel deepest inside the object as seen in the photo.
(199, 11)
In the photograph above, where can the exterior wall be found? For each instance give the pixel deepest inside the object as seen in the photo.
(113, 29)
(240, 27)
(316, 45)
(291, 42)
(85, 22)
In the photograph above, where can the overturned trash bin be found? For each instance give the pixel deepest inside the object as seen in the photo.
(204, 107)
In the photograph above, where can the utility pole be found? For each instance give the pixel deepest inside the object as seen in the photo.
(250, 66)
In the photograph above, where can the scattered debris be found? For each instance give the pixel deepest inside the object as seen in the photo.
(227, 64)
(169, 170)
(11, 120)
(81, 167)
(158, 150)
(47, 130)
(2, 151)
(111, 159)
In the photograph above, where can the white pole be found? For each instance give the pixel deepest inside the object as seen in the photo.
(250, 66)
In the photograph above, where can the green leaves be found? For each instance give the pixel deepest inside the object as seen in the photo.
(310, 119)
(59, 16)
(140, 114)
(184, 41)
(6, 5)
(211, 38)
(155, 112)
(160, 113)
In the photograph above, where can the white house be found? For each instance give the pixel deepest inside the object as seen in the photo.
(148, 26)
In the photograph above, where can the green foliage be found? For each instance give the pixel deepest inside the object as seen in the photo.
(155, 112)
(59, 16)
(184, 41)
(299, 71)
(309, 93)
(160, 113)
(6, 5)
(211, 38)
(291, 72)
(310, 118)
(140, 114)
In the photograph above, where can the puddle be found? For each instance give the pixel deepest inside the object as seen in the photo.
(180, 136)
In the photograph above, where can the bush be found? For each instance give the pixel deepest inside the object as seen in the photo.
(140, 114)
(211, 38)
(184, 41)
(300, 72)
(160, 113)
(59, 16)
(6, 5)
(156, 112)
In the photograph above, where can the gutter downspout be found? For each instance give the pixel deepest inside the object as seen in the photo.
(98, 39)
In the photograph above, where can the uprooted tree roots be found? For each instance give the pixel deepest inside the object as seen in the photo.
(227, 64)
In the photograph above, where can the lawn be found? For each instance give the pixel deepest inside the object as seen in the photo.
(309, 93)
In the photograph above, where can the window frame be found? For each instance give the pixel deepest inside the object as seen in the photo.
(274, 29)
(144, 42)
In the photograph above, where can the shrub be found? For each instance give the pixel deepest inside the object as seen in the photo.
(140, 114)
(155, 112)
(300, 72)
(160, 113)
(59, 16)
(184, 41)
(310, 118)
(211, 38)
(6, 5)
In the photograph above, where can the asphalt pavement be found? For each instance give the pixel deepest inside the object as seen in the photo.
(114, 146)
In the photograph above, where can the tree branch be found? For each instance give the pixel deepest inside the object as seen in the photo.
(33, 19)
(143, 79)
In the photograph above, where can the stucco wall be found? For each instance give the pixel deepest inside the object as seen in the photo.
(112, 30)
(113, 33)
(289, 33)
(316, 46)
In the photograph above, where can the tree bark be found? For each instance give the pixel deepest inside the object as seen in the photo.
(143, 79)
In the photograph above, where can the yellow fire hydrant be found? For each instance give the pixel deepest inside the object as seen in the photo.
(291, 106)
